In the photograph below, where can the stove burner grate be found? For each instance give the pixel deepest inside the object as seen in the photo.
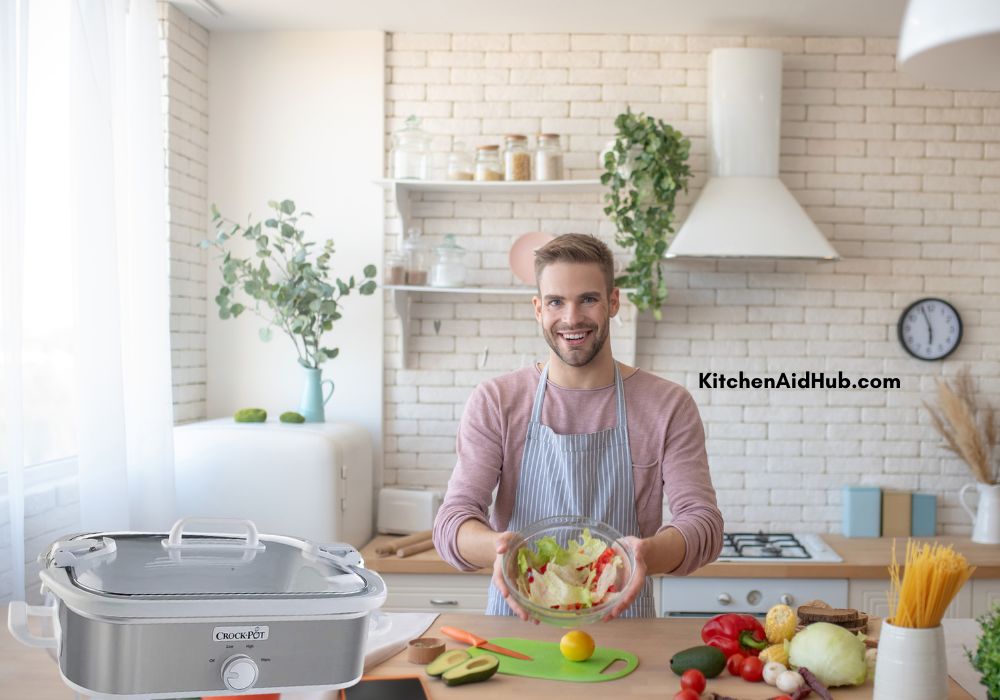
(759, 545)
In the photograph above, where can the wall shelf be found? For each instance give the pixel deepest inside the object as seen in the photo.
(402, 189)
(624, 325)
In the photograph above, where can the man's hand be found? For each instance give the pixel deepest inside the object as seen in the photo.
(502, 542)
(639, 550)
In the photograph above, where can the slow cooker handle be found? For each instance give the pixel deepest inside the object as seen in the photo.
(176, 537)
(18, 613)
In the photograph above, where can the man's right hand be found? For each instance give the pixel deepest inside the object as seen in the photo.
(502, 542)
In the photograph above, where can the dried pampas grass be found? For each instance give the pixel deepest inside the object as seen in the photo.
(969, 430)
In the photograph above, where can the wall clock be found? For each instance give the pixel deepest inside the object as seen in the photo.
(930, 329)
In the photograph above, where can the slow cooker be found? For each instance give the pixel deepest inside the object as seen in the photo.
(166, 615)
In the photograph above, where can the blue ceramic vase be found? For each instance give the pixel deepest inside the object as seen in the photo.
(313, 399)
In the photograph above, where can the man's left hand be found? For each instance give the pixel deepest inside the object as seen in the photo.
(639, 551)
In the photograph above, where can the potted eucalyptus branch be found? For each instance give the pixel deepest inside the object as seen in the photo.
(645, 170)
(291, 288)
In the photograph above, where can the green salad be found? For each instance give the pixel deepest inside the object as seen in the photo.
(580, 576)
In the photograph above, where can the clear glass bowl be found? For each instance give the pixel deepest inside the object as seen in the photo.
(565, 528)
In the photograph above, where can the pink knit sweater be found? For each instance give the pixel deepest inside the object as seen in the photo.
(665, 435)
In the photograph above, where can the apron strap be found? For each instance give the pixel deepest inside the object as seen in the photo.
(536, 409)
(620, 399)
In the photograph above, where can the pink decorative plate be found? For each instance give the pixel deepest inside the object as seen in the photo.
(522, 255)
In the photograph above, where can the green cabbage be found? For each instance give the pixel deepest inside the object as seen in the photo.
(834, 655)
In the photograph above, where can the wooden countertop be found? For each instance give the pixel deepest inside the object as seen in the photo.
(653, 641)
(863, 559)
(30, 673)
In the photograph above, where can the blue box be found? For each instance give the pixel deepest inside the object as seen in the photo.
(923, 522)
(862, 511)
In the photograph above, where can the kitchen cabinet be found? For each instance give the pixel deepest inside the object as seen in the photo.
(436, 592)
(703, 596)
(446, 592)
(872, 596)
(624, 326)
(985, 594)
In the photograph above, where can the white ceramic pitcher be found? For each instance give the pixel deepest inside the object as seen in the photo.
(986, 517)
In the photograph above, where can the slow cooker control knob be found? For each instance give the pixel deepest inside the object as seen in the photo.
(239, 672)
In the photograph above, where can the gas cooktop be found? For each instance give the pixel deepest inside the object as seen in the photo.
(776, 546)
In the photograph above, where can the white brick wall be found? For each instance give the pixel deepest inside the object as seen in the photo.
(184, 48)
(902, 179)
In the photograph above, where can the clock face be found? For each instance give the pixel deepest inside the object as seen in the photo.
(930, 329)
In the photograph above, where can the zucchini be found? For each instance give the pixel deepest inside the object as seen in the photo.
(709, 660)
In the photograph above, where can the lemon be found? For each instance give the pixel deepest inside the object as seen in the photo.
(577, 645)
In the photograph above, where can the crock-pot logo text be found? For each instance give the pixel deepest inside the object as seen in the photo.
(256, 633)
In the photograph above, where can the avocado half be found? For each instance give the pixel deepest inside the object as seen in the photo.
(472, 671)
(447, 660)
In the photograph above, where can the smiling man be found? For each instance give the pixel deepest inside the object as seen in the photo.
(581, 435)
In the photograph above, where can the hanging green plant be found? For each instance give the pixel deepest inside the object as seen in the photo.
(291, 287)
(645, 170)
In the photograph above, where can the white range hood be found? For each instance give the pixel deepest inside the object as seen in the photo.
(744, 210)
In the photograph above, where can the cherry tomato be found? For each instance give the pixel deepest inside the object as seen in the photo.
(734, 662)
(782, 697)
(687, 694)
(693, 679)
(752, 669)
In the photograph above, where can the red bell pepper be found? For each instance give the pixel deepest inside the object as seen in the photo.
(733, 633)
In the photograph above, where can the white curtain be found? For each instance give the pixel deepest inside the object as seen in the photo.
(116, 245)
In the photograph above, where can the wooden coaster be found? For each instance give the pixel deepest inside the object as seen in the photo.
(423, 650)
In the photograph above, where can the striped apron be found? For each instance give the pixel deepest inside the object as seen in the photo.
(588, 475)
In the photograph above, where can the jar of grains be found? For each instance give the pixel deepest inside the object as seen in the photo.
(548, 158)
(488, 163)
(460, 165)
(516, 158)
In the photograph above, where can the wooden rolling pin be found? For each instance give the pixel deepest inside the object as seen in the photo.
(388, 548)
(415, 548)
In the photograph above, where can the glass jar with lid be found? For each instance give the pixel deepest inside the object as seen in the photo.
(416, 253)
(548, 158)
(460, 163)
(410, 151)
(516, 158)
(395, 268)
(488, 165)
(449, 267)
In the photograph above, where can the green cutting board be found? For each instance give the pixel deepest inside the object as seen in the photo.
(548, 662)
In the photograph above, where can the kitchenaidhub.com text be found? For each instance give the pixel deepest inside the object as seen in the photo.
(794, 380)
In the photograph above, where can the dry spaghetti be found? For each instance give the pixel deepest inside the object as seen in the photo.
(932, 577)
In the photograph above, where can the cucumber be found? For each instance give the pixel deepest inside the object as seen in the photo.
(472, 671)
(447, 660)
(708, 660)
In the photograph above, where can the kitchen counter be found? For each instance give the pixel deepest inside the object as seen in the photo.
(30, 673)
(653, 641)
(863, 559)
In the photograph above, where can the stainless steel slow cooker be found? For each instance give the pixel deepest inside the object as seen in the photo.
(166, 615)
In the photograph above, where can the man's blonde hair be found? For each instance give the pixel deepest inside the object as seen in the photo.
(577, 248)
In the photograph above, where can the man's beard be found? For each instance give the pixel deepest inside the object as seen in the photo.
(578, 357)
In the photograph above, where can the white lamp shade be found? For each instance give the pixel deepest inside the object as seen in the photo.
(954, 44)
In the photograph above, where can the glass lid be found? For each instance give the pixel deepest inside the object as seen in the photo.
(208, 566)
